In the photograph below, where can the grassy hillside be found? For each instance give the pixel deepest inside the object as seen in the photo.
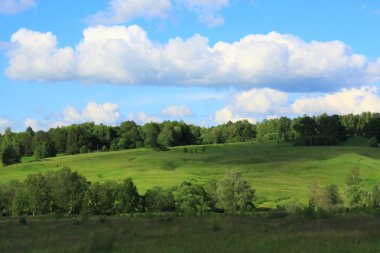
(280, 173)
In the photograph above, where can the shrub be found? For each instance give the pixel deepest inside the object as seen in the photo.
(278, 212)
(113, 147)
(372, 142)
(84, 150)
(315, 140)
(22, 220)
(159, 200)
(234, 194)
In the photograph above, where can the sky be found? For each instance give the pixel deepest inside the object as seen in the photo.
(206, 62)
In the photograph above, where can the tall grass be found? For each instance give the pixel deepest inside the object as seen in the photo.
(193, 234)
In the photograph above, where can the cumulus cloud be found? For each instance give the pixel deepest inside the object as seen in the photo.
(176, 111)
(142, 118)
(346, 101)
(208, 10)
(268, 103)
(125, 55)
(98, 113)
(260, 101)
(228, 114)
(33, 123)
(10, 7)
(4, 123)
(35, 56)
(121, 11)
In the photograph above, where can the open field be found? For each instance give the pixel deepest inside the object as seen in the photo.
(195, 234)
(280, 173)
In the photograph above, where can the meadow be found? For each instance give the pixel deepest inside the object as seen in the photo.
(191, 234)
(280, 173)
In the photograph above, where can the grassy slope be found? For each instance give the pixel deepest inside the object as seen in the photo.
(280, 173)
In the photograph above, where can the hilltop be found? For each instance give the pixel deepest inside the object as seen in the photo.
(280, 173)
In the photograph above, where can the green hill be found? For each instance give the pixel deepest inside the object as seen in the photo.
(280, 173)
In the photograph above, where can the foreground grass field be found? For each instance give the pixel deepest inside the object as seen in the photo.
(196, 234)
(280, 173)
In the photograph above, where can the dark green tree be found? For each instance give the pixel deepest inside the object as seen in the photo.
(159, 200)
(101, 198)
(306, 126)
(166, 137)
(191, 198)
(151, 132)
(10, 156)
(38, 193)
(45, 150)
(234, 194)
(128, 198)
(68, 189)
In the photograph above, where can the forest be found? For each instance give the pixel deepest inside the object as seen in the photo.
(88, 137)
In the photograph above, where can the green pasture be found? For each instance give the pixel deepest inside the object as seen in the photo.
(280, 173)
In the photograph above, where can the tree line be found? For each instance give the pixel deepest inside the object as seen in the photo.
(66, 192)
(322, 130)
(88, 137)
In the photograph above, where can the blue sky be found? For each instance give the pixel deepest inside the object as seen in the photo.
(205, 62)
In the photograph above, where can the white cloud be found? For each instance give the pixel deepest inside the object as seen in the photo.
(177, 111)
(35, 56)
(260, 101)
(4, 123)
(121, 11)
(208, 10)
(15, 6)
(251, 104)
(142, 118)
(126, 56)
(124, 11)
(33, 123)
(98, 113)
(227, 114)
(346, 101)
(269, 103)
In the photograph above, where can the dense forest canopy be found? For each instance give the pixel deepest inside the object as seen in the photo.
(87, 137)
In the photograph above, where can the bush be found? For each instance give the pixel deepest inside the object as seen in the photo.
(84, 150)
(159, 200)
(113, 147)
(234, 194)
(278, 212)
(316, 140)
(104, 149)
(161, 148)
(22, 220)
(372, 142)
